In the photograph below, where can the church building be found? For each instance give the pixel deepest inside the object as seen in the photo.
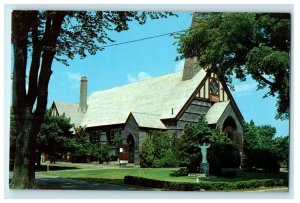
(166, 103)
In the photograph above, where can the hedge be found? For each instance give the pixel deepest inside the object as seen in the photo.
(208, 186)
(223, 156)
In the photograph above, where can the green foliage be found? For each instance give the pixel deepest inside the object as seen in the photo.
(258, 136)
(262, 159)
(101, 152)
(281, 149)
(80, 145)
(180, 172)
(117, 142)
(189, 153)
(157, 151)
(259, 142)
(54, 134)
(223, 156)
(256, 44)
(219, 137)
(204, 185)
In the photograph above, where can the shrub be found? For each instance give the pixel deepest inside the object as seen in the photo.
(100, 152)
(180, 172)
(157, 151)
(262, 159)
(223, 156)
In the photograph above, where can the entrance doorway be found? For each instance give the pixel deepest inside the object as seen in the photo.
(229, 127)
(130, 144)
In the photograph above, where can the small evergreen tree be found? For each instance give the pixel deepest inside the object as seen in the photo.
(157, 151)
(80, 145)
(54, 135)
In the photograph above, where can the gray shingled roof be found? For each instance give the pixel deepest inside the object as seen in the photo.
(215, 112)
(158, 96)
(148, 120)
(71, 111)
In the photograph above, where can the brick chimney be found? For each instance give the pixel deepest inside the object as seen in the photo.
(83, 94)
(191, 67)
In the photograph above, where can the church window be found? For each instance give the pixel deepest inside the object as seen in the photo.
(214, 87)
(95, 137)
(114, 133)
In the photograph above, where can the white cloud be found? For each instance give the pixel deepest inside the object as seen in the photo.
(73, 76)
(74, 79)
(139, 77)
(179, 66)
(244, 88)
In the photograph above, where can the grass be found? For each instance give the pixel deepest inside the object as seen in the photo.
(116, 175)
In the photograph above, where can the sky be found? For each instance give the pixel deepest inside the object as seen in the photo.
(124, 64)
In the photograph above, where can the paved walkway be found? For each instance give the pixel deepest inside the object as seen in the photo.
(57, 183)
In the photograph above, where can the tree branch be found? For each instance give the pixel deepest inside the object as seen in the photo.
(262, 78)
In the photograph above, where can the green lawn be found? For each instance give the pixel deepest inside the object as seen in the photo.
(116, 175)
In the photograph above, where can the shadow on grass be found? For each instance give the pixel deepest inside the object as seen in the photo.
(55, 168)
(86, 184)
(51, 168)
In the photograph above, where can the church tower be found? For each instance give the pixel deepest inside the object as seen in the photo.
(191, 67)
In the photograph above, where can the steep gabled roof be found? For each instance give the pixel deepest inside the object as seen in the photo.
(215, 112)
(163, 96)
(71, 110)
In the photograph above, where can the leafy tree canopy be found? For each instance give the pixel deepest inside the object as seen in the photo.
(241, 44)
(263, 138)
(258, 136)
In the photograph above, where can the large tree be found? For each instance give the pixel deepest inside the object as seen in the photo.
(241, 44)
(44, 36)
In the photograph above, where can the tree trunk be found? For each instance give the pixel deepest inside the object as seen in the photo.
(28, 123)
(24, 166)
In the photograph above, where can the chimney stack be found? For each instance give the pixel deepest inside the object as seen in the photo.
(83, 94)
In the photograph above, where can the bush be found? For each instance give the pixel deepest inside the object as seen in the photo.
(157, 151)
(180, 172)
(100, 152)
(223, 156)
(262, 159)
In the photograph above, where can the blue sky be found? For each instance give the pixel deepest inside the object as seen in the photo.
(123, 64)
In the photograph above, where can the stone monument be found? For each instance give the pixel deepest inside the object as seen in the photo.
(204, 166)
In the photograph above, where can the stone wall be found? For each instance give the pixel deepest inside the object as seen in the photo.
(229, 112)
(132, 128)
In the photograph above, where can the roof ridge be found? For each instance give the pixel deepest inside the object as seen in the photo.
(146, 113)
(137, 82)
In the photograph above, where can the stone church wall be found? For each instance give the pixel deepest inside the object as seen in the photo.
(132, 128)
